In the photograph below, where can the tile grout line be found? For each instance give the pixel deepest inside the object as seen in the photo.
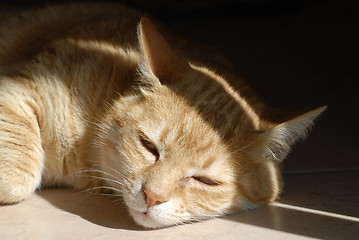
(317, 212)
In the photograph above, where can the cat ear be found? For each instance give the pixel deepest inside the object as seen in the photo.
(279, 139)
(159, 58)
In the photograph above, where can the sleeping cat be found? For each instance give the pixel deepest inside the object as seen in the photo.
(95, 97)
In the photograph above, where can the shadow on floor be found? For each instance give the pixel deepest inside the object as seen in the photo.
(322, 206)
(105, 211)
(300, 222)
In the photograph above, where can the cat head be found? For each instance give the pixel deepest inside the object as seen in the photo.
(186, 146)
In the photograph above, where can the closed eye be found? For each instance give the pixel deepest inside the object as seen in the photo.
(150, 147)
(206, 181)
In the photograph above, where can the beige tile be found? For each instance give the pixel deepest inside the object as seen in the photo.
(63, 214)
(331, 192)
(311, 208)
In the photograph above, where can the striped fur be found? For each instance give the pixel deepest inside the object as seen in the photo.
(94, 98)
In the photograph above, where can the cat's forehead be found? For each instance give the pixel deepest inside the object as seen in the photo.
(190, 131)
(201, 149)
(202, 94)
(186, 139)
(210, 165)
(196, 120)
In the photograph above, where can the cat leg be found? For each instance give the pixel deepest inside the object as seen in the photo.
(21, 153)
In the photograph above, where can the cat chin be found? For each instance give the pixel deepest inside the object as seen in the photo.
(152, 218)
(145, 220)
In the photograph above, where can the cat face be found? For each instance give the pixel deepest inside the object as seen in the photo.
(171, 165)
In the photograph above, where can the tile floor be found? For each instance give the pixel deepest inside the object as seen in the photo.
(309, 209)
(296, 58)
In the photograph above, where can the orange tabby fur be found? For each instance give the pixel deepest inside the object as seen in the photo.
(87, 101)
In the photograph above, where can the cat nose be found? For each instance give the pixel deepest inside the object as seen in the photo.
(153, 199)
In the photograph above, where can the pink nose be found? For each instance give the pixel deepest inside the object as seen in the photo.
(153, 199)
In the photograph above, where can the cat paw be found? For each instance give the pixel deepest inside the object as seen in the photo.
(11, 193)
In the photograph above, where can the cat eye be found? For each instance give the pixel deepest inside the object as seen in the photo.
(150, 147)
(206, 181)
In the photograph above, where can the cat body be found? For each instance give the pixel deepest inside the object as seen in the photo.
(94, 97)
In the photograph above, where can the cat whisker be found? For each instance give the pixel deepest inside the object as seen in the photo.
(98, 171)
(115, 171)
(102, 165)
(103, 178)
(108, 179)
(96, 163)
(93, 189)
(92, 192)
(120, 201)
(126, 182)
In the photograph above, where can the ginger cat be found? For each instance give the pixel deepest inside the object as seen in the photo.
(92, 96)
